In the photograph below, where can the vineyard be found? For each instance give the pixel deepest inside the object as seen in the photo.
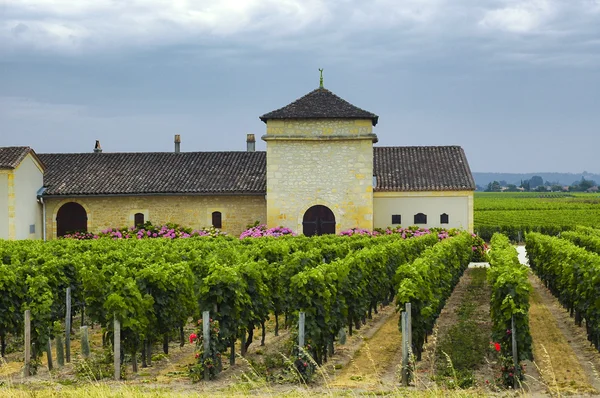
(257, 291)
(514, 214)
(155, 286)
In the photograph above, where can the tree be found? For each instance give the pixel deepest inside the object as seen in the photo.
(494, 187)
(535, 182)
(512, 188)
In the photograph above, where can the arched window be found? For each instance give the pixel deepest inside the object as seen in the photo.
(217, 219)
(444, 218)
(420, 218)
(138, 219)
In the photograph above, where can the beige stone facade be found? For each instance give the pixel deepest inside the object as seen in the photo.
(189, 211)
(325, 162)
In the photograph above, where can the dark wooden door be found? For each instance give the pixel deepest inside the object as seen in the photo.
(71, 217)
(318, 220)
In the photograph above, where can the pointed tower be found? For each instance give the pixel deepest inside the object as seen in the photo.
(320, 164)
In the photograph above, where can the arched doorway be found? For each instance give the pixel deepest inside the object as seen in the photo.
(318, 220)
(71, 217)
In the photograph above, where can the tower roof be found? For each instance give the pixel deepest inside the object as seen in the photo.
(320, 104)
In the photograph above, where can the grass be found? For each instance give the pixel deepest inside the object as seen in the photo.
(124, 391)
(373, 357)
(462, 349)
(556, 360)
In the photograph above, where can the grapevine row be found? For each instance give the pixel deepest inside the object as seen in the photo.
(571, 273)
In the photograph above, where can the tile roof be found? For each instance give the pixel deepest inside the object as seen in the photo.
(439, 168)
(11, 157)
(422, 168)
(155, 173)
(318, 104)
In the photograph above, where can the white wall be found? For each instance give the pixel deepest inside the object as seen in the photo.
(458, 207)
(3, 205)
(28, 180)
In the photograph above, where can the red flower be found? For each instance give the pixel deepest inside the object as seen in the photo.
(193, 337)
(497, 346)
(197, 355)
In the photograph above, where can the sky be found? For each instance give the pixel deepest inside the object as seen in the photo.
(516, 83)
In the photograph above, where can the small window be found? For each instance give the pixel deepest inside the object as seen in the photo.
(32, 229)
(420, 218)
(138, 219)
(444, 219)
(217, 219)
(396, 219)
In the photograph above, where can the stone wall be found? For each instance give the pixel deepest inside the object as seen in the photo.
(188, 211)
(320, 162)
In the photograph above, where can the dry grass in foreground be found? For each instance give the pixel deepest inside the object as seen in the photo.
(372, 359)
(558, 364)
(51, 390)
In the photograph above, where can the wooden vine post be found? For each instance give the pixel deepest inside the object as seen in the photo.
(206, 340)
(85, 342)
(409, 331)
(49, 355)
(301, 323)
(68, 327)
(404, 325)
(27, 343)
(60, 350)
(117, 348)
(515, 353)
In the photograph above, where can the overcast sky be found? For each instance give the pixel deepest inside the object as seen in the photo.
(516, 83)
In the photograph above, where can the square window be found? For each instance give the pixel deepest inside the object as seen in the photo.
(396, 219)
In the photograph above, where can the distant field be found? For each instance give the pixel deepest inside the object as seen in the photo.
(515, 213)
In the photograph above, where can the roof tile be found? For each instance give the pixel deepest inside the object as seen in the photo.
(155, 173)
(318, 104)
(11, 156)
(438, 168)
(422, 168)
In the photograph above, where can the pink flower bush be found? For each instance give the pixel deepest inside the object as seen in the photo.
(148, 231)
(409, 232)
(261, 231)
(358, 231)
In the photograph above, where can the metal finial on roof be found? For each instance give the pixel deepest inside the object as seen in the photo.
(321, 79)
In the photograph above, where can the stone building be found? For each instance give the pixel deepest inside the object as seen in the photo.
(320, 173)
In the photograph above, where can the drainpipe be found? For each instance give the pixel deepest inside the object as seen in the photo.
(41, 201)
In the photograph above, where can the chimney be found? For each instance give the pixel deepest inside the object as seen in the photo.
(97, 147)
(250, 143)
(177, 143)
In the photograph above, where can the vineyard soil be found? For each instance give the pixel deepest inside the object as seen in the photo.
(567, 361)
